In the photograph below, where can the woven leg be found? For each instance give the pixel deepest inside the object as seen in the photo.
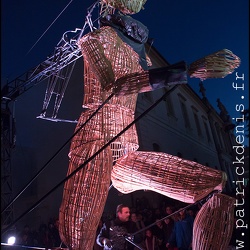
(84, 197)
(85, 193)
(213, 225)
(168, 175)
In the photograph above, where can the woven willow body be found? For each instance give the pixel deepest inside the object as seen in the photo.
(106, 58)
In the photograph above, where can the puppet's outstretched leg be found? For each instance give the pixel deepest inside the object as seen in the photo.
(186, 181)
(166, 174)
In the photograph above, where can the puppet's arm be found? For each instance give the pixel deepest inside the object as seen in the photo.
(151, 79)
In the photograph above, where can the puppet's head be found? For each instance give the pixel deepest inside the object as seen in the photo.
(126, 6)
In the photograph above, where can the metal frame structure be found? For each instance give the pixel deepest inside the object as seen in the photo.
(57, 70)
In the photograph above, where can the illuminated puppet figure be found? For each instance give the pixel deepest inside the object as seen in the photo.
(115, 62)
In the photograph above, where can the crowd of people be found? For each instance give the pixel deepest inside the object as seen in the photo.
(165, 228)
(169, 227)
(143, 215)
(47, 235)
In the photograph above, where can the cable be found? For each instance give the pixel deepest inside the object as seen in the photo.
(133, 243)
(49, 26)
(205, 199)
(90, 9)
(22, 246)
(57, 152)
(91, 157)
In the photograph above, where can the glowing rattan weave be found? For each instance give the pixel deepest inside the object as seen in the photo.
(168, 175)
(108, 63)
(126, 6)
(216, 65)
(213, 225)
(106, 58)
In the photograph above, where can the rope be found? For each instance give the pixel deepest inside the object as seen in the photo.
(22, 246)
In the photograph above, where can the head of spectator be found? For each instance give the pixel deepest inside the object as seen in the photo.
(169, 210)
(183, 213)
(123, 212)
(149, 233)
(191, 212)
(167, 221)
(133, 217)
(159, 223)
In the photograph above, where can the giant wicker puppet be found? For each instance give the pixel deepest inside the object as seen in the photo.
(115, 62)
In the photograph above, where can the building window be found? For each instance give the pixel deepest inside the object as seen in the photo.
(185, 115)
(156, 147)
(197, 123)
(179, 154)
(219, 136)
(207, 132)
(184, 111)
(169, 105)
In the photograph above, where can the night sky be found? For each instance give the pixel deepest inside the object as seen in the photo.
(182, 30)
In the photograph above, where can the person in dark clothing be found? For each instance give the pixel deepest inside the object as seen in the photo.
(116, 234)
(182, 232)
(159, 231)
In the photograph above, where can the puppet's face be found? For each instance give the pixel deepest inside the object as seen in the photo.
(126, 6)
